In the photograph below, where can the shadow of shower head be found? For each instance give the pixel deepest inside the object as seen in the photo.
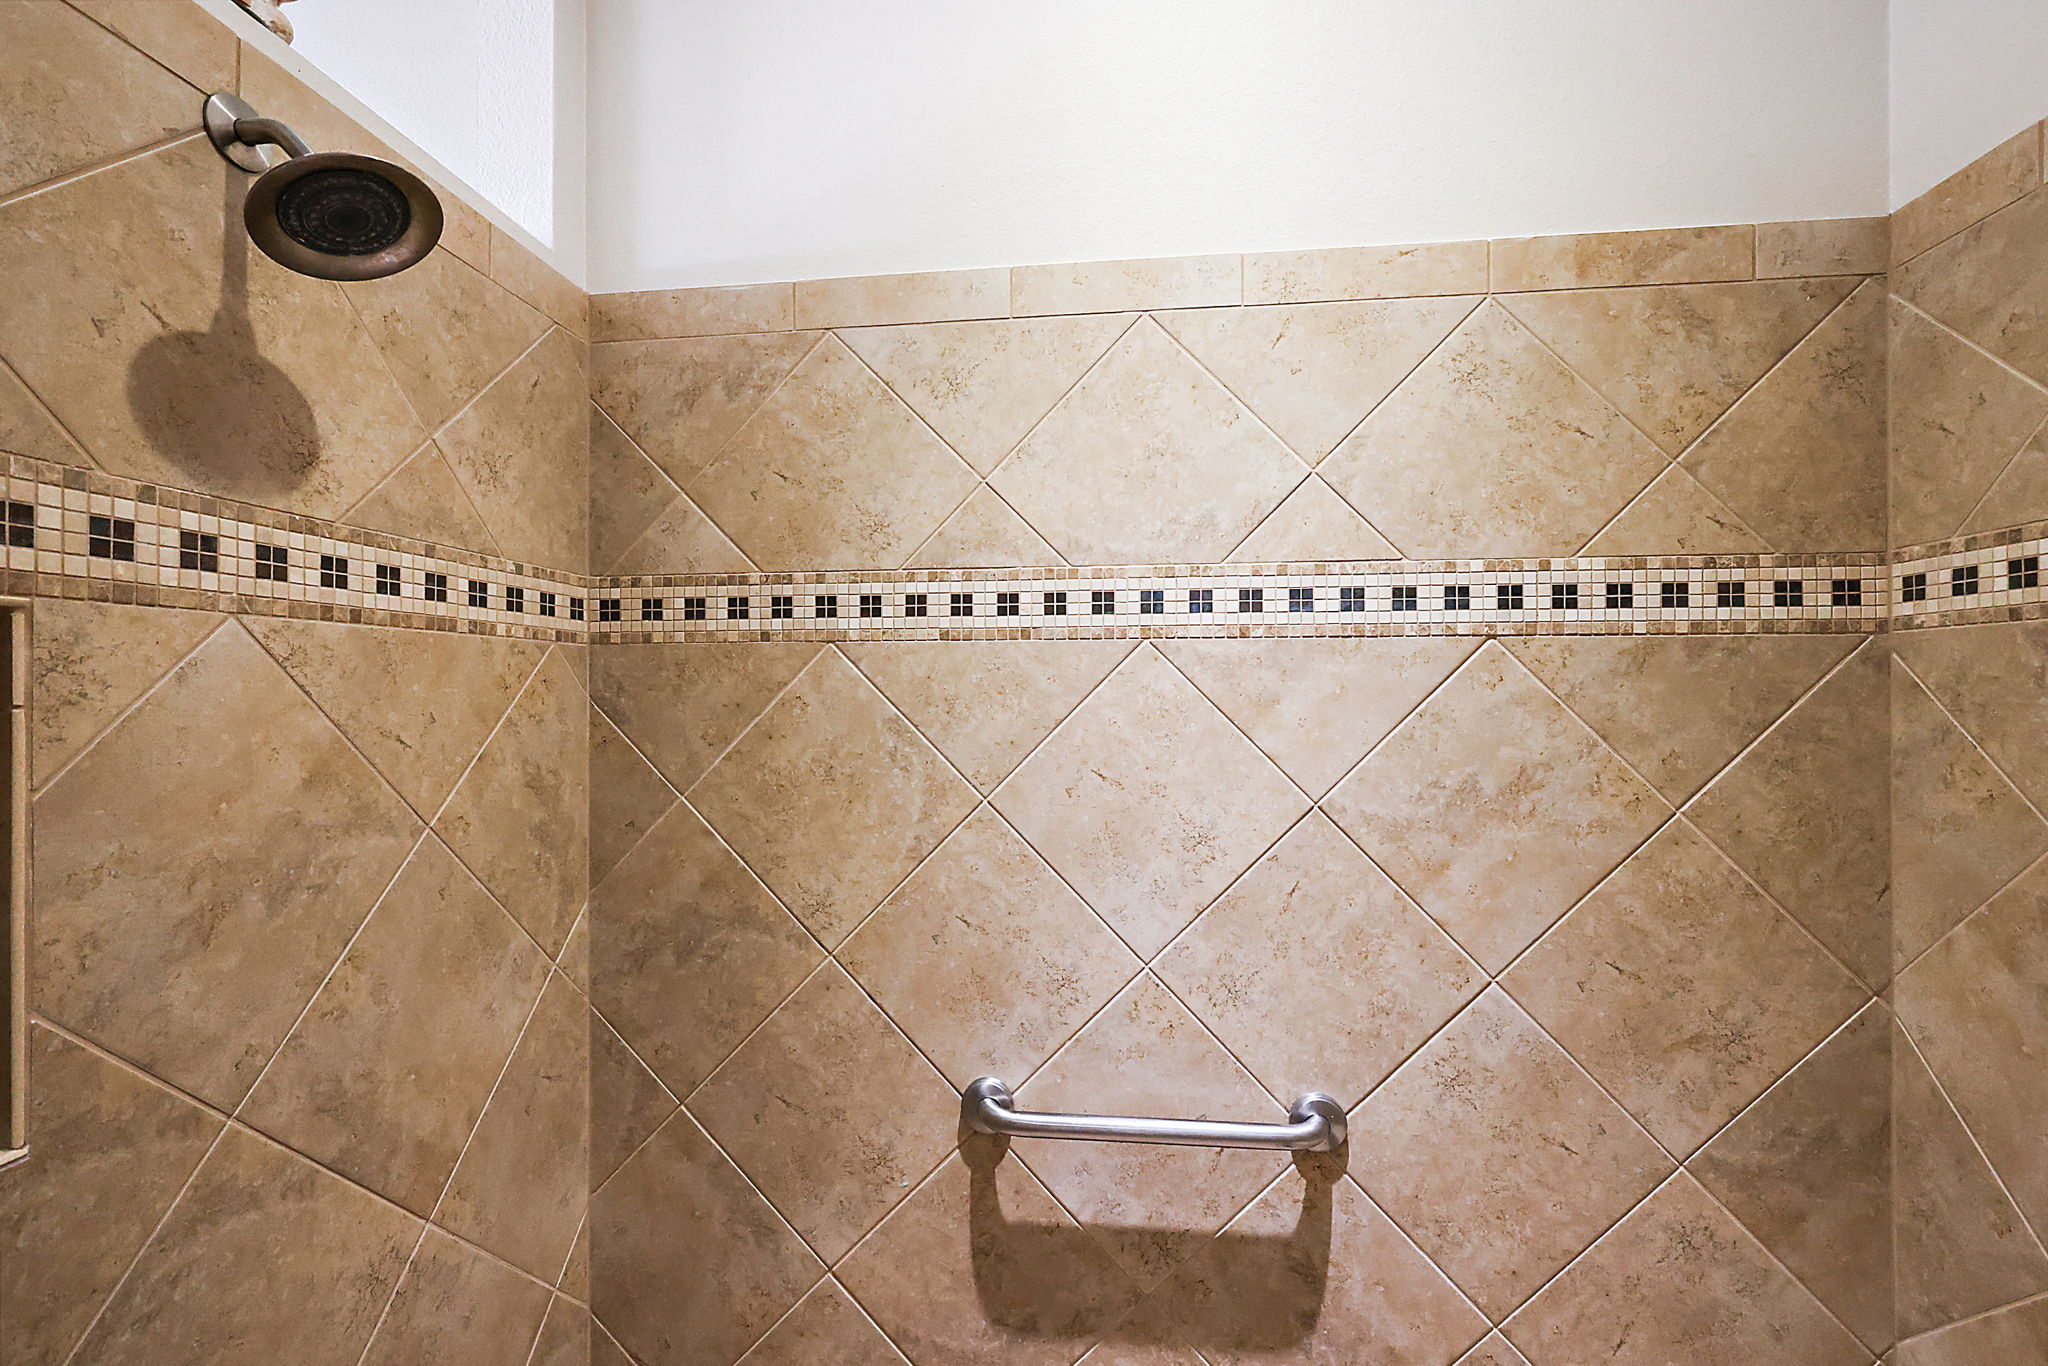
(331, 215)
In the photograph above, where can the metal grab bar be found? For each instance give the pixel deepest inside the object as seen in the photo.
(1314, 1125)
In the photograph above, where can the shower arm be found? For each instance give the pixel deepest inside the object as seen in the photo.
(238, 133)
(1314, 1125)
(262, 132)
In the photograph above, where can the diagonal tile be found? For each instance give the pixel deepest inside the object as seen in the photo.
(983, 385)
(1312, 1273)
(424, 500)
(1962, 1247)
(1959, 830)
(385, 1076)
(627, 492)
(1679, 1281)
(418, 704)
(1681, 989)
(575, 1280)
(1148, 1336)
(564, 1337)
(1146, 1055)
(1312, 371)
(91, 661)
(832, 472)
(265, 1258)
(825, 1326)
(679, 1191)
(1312, 524)
(1994, 681)
(2007, 172)
(1800, 458)
(984, 533)
(1147, 418)
(1957, 418)
(191, 952)
(987, 704)
(1808, 1170)
(1492, 448)
(832, 798)
(830, 1111)
(1807, 813)
(1676, 515)
(985, 958)
(1495, 808)
(682, 708)
(1986, 282)
(522, 451)
(188, 40)
(1679, 708)
(574, 957)
(627, 1102)
(1499, 1155)
(520, 818)
(1673, 358)
(626, 796)
(1316, 706)
(1148, 801)
(1495, 1351)
(27, 428)
(446, 330)
(2019, 495)
(111, 1153)
(1314, 913)
(2015, 1333)
(681, 401)
(456, 1307)
(981, 1268)
(682, 540)
(689, 952)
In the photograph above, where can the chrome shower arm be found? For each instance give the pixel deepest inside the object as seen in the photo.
(1314, 1125)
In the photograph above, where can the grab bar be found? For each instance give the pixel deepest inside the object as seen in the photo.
(1314, 1125)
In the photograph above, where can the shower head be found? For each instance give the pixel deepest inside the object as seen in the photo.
(331, 215)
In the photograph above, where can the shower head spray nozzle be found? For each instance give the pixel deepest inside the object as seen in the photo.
(331, 215)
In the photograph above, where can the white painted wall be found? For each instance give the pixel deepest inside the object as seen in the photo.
(1965, 76)
(787, 139)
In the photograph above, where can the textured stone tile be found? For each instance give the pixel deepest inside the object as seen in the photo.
(1682, 990)
(983, 385)
(683, 708)
(1492, 447)
(984, 533)
(1312, 372)
(1147, 417)
(1495, 808)
(537, 283)
(92, 661)
(1659, 256)
(2020, 494)
(1823, 246)
(833, 1157)
(27, 428)
(1148, 1336)
(679, 1191)
(980, 1266)
(1494, 1351)
(987, 704)
(385, 1076)
(456, 1307)
(111, 1153)
(564, 1337)
(1499, 1155)
(627, 1102)
(1676, 515)
(1806, 811)
(2005, 173)
(574, 957)
(1316, 706)
(682, 540)
(627, 492)
(1994, 681)
(681, 400)
(1146, 1055)
(424, 500)
(626, 796)
(689, 950)
(1808, 1170)
(266, 1258)
(521, 816)
(1673, 358)
(832, 798)
(1148, 801)
(1313, 524)
(2016, 1333)
(575, 1279)
(1679, 1280)
(185, 38)
(985, 958)
(1299, 277)
(825, 1326)
(191, 949)
(446, 329)
(1315, 971)
(1113, 286)
(657, 313)
(1985, 283)
(920, 297)
(522, 451)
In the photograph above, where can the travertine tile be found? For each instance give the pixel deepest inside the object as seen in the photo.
(626, 796)
(574, 956)
(1808, 1170)
(983, 385)
(537, 283)
(682, 540)
(94, 660)
(682, 400)
(832, 472)
(1499, 1155)
(446, 329)
(679, 1191)
(2016, 1333)
(1492, 447)
(1494, 1351)
(1147, 1336)
(1147, 418)
(1679, 1280)
(984, 533)
(1114, 286)
(985, 958)
(1676, 515)
(1312, 372)
(266, 1258)
(1148, 801)
(627, 1102)
(1495, 808)
(575, 1279)
(689, 951)
(921, 297)
(980, 1267)
(192, 951)
(424, 500)
(986, 704)
(832, 798)
(522, 451)
(455, 1307)
(1151, 1206)
(185, 38)
(111, 1152)
(1994, 681)
(682, 708)
(1312, 524)
(384, 1077)
(1314, 910)
(2020, 494)
(830, 1112)
(1986, 283)
(1682, 990)
(627, 492)
(27, 428)
(1658, 256)
(1299, 277)
(564, 1337)
(825, 1326)
(2001, 175)
(657, 313)
(1823, 246)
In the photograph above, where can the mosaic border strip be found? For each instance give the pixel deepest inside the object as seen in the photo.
(1991, 576)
